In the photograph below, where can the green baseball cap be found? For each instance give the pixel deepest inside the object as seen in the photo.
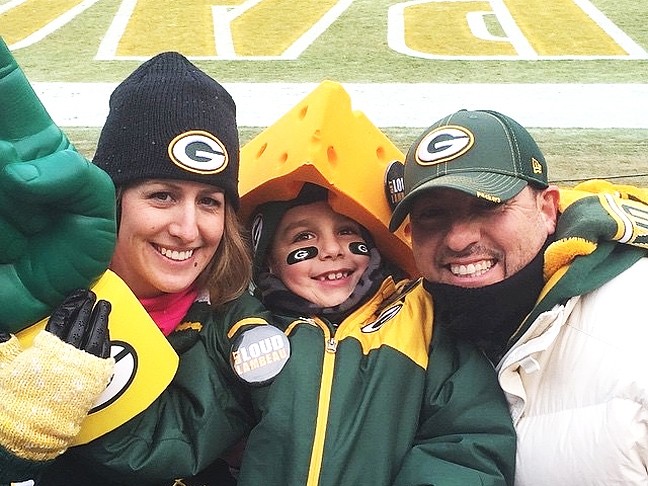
(483, 153)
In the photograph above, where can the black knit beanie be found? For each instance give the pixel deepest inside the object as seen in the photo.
(170, 120)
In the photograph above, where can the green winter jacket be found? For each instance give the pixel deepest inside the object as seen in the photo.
(382, 400)
(204, 395)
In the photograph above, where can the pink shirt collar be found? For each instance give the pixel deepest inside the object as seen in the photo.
(168, 310)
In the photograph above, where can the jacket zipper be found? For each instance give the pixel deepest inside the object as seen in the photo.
(328, 365)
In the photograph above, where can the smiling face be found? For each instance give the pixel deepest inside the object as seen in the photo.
(168, 233)
(464, 241)
(314, 253)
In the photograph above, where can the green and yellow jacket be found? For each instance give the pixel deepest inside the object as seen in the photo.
(380, 399)
(202, 413)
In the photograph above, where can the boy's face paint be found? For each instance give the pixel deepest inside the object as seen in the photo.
(303, 254)
(359, 248)
(326, 271)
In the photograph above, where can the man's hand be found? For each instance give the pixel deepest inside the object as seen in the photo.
(57, 209)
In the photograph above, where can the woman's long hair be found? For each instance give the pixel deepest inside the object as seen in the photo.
(229, 273)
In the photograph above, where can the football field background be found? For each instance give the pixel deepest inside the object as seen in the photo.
(574, 71)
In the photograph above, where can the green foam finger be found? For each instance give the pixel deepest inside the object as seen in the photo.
(57, 210)
(12, 242)
(65, 179)
(25, 122)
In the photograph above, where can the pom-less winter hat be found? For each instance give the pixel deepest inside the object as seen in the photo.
(170, 120)
(483, 153)
(268, 216)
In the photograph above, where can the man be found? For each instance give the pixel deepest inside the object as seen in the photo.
(548, 282)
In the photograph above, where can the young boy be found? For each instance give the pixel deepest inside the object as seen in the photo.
(371, 394)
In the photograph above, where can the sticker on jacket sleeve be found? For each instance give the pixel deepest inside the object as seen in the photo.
(259, 354)
(384, 317)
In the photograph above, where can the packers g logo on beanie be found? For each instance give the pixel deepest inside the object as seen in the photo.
(198, 151)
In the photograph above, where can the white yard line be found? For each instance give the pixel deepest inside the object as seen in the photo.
(397, 105)
(50, 27)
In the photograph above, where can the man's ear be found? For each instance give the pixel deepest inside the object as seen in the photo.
(548, 203)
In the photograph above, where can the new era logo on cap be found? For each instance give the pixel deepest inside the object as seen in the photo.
(482, 153)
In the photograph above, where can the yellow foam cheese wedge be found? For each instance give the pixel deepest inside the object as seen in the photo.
(322, 140)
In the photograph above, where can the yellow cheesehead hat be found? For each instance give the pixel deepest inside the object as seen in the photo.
(323, 141)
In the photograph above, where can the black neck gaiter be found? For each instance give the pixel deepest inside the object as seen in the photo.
(488, 316)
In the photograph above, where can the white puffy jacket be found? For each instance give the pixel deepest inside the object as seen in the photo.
(577, 386)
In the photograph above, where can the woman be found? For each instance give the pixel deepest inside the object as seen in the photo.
(170, 145)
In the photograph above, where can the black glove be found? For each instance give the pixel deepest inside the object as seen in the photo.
(81, 323)
(48, 388)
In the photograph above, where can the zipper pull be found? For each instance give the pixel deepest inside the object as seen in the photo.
(331, 345)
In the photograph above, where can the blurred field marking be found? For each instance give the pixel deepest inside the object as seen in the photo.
(146, 27)
(530, 30)
(21, 25)
(634, 50)
(397, 104)
(232, 29)
(109, 42)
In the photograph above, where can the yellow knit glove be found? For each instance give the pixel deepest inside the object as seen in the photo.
(9, 350)
(45, 393)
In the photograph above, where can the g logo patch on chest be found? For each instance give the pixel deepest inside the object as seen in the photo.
(384, 317)
(198, 151)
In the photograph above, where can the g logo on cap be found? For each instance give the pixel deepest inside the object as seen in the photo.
(444, 144)
(198, 151)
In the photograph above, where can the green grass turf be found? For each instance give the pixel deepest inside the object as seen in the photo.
(353, 49)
